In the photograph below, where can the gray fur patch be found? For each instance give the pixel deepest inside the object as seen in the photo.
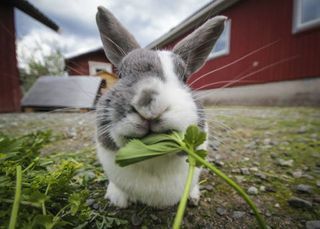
(141, 62)
(146, 97)
(103, 121)
(180, 68)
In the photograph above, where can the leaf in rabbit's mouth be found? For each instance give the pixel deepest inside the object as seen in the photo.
(152, 145)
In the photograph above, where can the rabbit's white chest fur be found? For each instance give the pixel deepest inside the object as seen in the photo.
(157, 182)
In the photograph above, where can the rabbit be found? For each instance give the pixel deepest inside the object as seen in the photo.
(151, 96)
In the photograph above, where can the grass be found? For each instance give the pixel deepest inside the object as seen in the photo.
(294, 133)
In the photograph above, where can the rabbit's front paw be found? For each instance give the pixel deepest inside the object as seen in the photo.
(116, 196)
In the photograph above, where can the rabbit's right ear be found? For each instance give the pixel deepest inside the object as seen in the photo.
(117, 41)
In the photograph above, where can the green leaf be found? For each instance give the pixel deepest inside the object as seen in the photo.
(202, 153)
(156, 138)
(156, 145)
(194, 136)
(136, 151)
(37, 197)
(47, 221)
(77, 201)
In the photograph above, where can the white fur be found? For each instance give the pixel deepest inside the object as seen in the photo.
(157, 182)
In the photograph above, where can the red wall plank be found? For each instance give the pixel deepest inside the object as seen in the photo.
(10, 94)
(80, 65)
(254, 24)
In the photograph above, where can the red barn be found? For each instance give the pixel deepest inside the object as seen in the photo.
(271, 44)
(10, 94)
(269, 53)
(89, 63)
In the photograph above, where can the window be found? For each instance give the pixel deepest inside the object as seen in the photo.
(95, 67)
(306, 15)
(222, 46)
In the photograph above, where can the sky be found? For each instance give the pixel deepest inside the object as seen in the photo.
(145, 19)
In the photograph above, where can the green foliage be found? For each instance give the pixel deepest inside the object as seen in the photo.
(49, 64)
(157, 145)
(194, 137)
(54, 188)
(152, 146)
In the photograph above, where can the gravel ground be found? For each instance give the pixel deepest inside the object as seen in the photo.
(273, 153)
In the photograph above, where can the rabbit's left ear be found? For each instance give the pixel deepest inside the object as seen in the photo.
(117, 41)
(196, 47)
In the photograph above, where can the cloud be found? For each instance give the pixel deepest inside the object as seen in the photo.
(40, 42)
(147, 20)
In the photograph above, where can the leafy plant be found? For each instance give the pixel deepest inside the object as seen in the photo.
(157, 145)
(45, 191)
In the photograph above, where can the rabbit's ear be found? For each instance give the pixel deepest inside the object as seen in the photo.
(196, 47)
(117, 41)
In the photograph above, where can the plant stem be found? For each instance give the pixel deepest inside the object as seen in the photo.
(234, 185)
(17, 196)
(26, 203)
(43, 204)
(185, 195)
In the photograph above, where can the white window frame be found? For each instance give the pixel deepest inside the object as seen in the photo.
(225, 51)
(94, 65)
(299, 26)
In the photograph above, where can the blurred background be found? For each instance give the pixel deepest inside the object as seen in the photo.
(268, 53)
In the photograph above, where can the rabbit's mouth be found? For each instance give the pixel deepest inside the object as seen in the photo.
(127, 138)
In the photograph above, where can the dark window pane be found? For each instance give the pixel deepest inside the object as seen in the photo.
(310, 10)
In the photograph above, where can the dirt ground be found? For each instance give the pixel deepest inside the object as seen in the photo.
(273, 153)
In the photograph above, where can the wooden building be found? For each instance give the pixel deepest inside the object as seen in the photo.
(88, 63)
(10, 94)
(269, 48)
(271, 44)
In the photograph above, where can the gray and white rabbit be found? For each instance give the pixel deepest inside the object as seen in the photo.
(151, 96)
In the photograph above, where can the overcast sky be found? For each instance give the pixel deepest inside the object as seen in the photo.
(146, 19)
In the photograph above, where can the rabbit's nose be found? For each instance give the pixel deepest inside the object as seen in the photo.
(148, 105)
(145, 98)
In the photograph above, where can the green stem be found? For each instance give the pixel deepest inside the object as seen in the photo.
(234, 185)
(43, 204)
(56, 217)
(26, 203)
(17, 196)
(185, 195)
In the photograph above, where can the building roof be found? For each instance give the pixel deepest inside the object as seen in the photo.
(77, 55)
(61, 91)
(32, 11)
(209, 10)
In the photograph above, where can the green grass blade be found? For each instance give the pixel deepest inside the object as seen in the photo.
(16, 203)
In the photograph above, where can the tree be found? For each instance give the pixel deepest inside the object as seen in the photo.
(47, 64)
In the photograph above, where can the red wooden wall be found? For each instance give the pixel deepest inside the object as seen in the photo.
(261, 27)
(10, 93)
(255, 24)
(79, 65)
